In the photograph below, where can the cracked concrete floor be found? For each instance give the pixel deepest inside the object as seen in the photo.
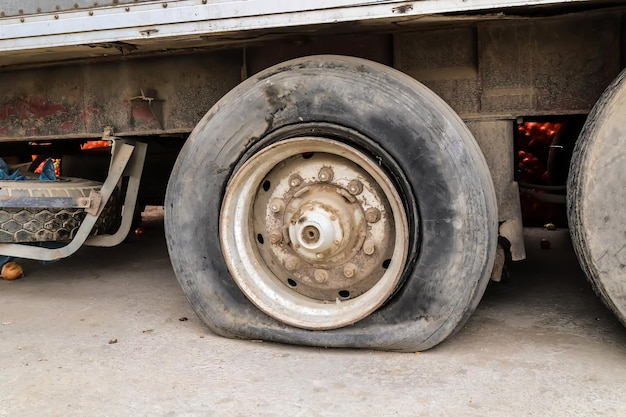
(108, 332)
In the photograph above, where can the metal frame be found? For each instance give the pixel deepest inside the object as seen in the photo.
(133, 172)
(46, 202)
(128, 159)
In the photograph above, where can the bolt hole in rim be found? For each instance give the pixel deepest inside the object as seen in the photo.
(256, 279)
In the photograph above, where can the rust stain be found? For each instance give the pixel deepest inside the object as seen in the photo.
(7, 111)
(34, 116)
(67, 126)
(38, 108)
(142, 111)
(87, 114)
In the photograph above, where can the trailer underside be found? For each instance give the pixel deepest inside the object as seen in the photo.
(492, 72)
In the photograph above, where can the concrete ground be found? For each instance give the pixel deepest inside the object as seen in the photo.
(108, 332)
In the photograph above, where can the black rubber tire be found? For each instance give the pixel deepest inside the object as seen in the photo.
(596, 198)
(410, 131)
(21, 225)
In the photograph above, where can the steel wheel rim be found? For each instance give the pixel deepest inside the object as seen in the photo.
(353, 217)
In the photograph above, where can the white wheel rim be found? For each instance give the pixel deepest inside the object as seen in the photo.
(325, 244)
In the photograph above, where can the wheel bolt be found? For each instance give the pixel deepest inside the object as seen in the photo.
(325, 174)
(355, 187)
(372, 215)
(295, 181)
(276, 237)
(320, 275)
(292, 263)
(276, 205)
(368, 247)
(349, 270)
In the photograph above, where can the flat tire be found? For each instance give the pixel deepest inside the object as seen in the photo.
(368, 123)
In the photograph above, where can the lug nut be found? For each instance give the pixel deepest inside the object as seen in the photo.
(355, 187)
(276, 205)
(292, 263)
(349, 270)
(295, 181)
(325, 174)
(368, 247)
(320, 275)
(276, 237)
(372, 215)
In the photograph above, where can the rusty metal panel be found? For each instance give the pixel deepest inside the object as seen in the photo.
(376, 47)
(495, 138)
(547, 65)
(140, 96)
(592, 45)
(505, 54)
(444, 60)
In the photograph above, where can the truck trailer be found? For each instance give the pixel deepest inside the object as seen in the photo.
(336, 173)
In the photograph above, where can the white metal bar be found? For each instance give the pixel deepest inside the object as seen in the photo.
(44, 202)
(192, 17)
(133, 172)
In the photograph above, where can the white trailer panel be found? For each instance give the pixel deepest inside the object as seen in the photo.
(180, 19)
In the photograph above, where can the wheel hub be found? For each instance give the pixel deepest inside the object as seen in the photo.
(323, 227)
(322, 252)
(316, 231)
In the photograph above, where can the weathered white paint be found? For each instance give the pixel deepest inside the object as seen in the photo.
(184, 18)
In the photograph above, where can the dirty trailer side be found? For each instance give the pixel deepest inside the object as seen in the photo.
(345, 170)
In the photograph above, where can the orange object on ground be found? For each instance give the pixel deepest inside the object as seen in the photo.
(12, 270)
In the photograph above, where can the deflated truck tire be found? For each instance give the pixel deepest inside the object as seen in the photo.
(332, 201)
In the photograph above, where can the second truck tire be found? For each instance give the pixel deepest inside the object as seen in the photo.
(597, 195)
